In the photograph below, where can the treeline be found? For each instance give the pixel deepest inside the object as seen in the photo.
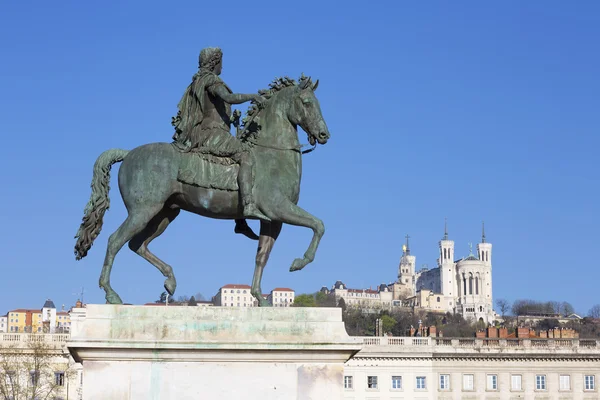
(541, 308)
(397, 321)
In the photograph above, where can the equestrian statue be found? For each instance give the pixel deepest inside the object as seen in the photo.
(207, 171)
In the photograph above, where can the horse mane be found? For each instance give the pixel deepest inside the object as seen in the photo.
(248, 124)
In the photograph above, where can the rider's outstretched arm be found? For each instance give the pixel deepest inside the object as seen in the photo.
(231, 98)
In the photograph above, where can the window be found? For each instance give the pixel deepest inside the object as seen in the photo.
(34, 377)
(348, 384)
(590, 382)
(59, 378)
(372, 382)
(444, 382)
(540, 382)
(396, 382)
(492, 382)
(10, 377)
(468, 382)
(564, 382)
(421, 382)
(515, 382)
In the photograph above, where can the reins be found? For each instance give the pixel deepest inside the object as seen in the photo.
(295, 148)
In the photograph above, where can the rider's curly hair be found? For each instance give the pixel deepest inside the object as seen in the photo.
(209, 58)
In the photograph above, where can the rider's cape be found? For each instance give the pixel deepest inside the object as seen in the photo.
(191, 106)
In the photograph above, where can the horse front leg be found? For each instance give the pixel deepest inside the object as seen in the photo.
(290, 213)
(269, 231)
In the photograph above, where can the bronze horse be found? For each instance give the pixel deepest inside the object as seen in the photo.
(154, 196)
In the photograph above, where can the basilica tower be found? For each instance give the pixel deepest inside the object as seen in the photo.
(484, 250)
(406, 269)
(448, 284)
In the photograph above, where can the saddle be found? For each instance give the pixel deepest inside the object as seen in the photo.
(202, 169)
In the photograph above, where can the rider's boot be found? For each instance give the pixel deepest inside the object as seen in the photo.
(241, 227)
(250, 211)
(245, 185)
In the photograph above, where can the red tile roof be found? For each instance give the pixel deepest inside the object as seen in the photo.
(283, 289)
(24, 310)
(236, 286)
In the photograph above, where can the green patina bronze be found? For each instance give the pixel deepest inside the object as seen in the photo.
(209, 172)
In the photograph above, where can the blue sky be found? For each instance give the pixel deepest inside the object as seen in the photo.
(472, 111)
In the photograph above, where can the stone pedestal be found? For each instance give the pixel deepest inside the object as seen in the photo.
(178, 352)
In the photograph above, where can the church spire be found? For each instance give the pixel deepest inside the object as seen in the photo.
(482, 232)
(406, 247)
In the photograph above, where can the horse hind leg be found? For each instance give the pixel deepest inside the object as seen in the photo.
(269, 231)
(139, 244)
(135, 223)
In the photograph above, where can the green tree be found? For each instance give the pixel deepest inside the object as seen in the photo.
(304, 300)
(388, 323)
(163, 298)
(324, 300)
(342, 304)
(192, 301)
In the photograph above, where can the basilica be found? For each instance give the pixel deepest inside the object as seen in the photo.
(458, 285)
(462, 286)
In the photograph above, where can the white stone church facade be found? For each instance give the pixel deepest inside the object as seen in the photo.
(462, 286)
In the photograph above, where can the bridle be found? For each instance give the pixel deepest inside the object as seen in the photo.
(295, 148)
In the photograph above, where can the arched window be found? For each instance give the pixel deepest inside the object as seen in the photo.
(480, 308)
(464, 285)
(438, 299)
(476, 285)
(470, 284)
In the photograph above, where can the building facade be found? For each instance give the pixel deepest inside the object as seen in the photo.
(46, 320)
(281, 297)
(382, 297)
(238, 295)
(235, 295)
(393, 368)
(38, 365)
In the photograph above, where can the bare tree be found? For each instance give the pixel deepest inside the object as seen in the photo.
(183, 299)
(503, 305)
(200, 297)
(33, 370)
(594, 311)
(566, 308)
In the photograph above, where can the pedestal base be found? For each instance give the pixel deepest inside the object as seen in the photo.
(178, 352)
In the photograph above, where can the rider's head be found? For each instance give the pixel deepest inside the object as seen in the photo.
(211, 58)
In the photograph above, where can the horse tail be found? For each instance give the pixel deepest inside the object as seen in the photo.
(99, 202)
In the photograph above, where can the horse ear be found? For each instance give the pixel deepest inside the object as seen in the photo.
(316, 85)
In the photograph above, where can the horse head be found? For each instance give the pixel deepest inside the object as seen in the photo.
(306, 112)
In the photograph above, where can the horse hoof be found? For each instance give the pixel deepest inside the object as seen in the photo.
(297, 265)
(113, 299)
(264, 303)
(170, 286)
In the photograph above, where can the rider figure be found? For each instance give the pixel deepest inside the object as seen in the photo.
(204, 120)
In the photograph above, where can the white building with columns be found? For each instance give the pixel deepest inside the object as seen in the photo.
(394, 368)
(462, 285)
